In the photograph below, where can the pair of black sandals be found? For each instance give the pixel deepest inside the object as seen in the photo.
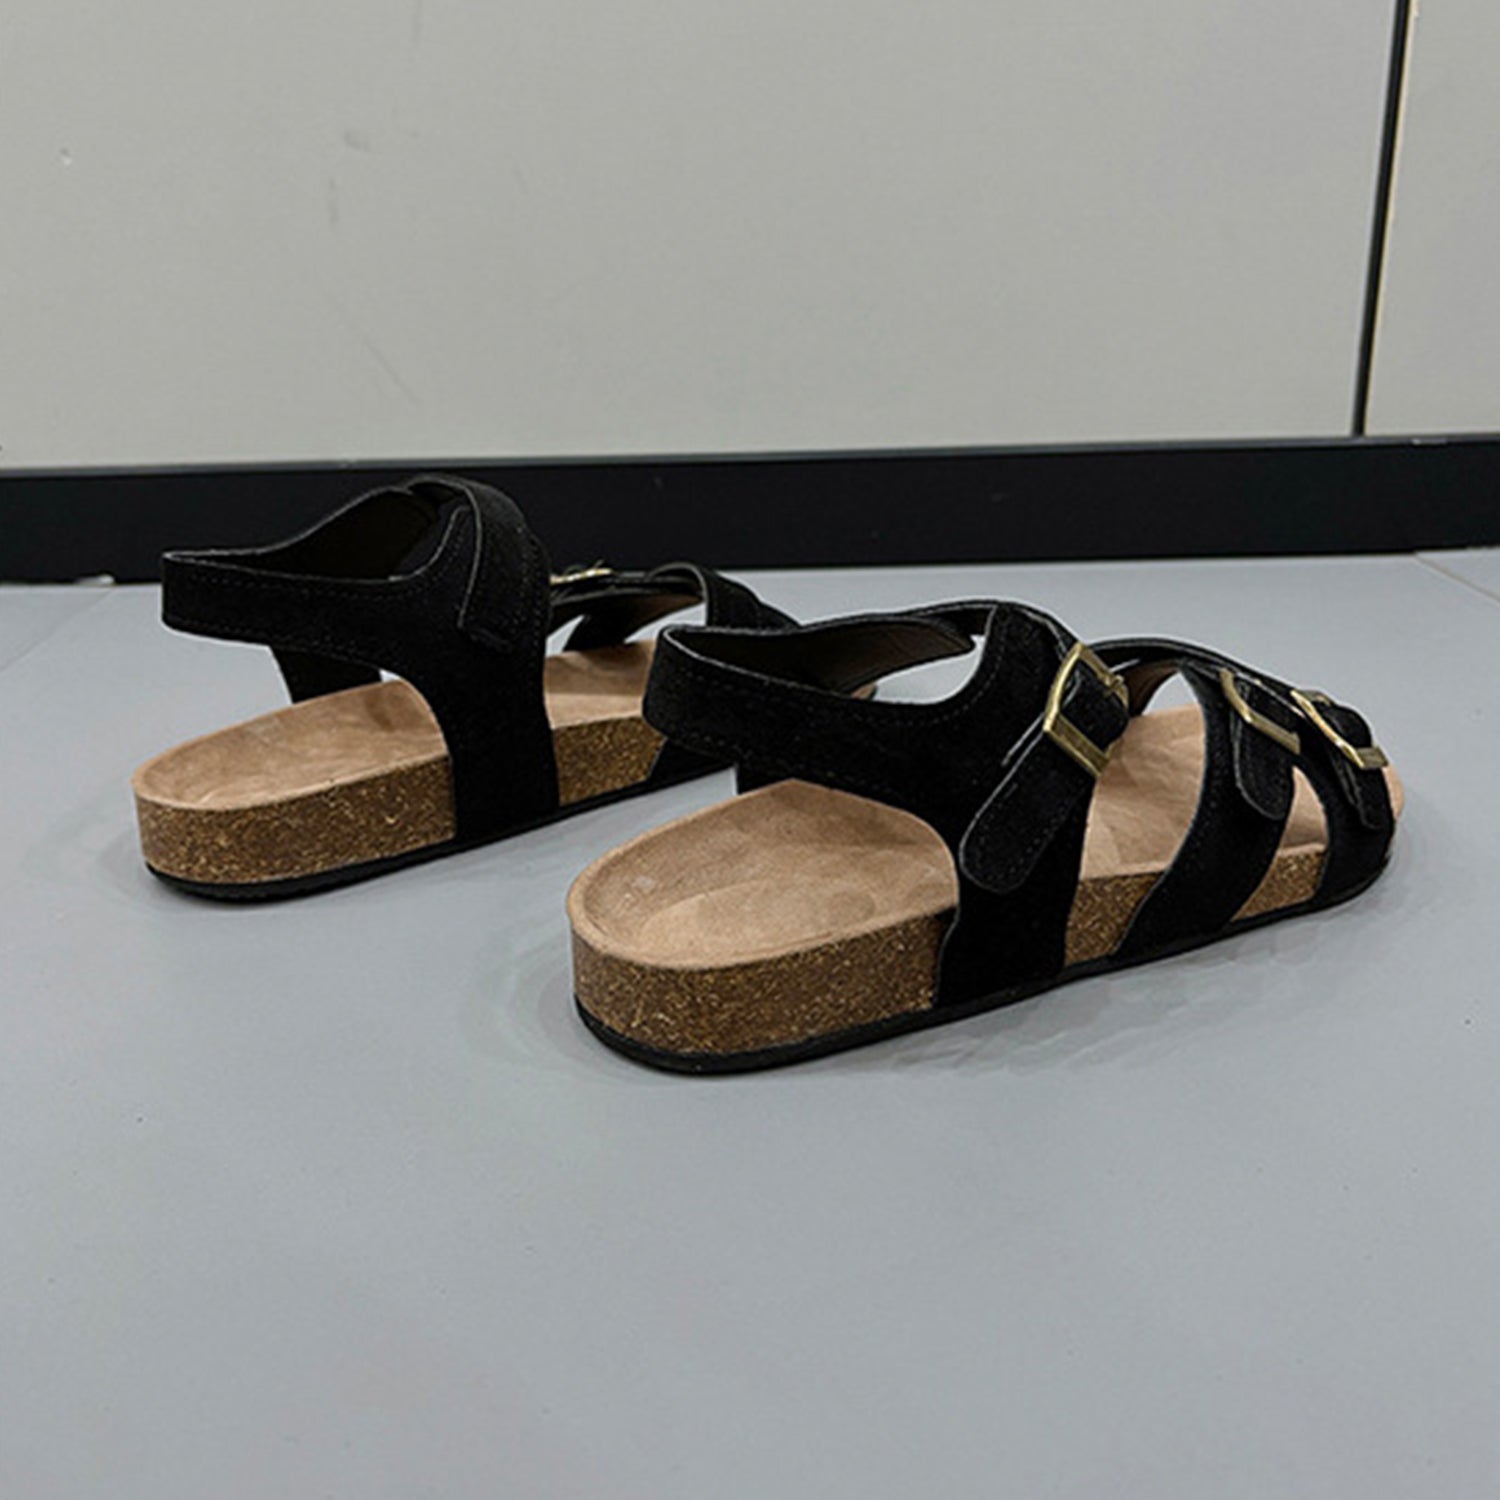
(887, 866)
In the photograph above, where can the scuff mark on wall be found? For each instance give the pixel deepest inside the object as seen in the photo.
(356, 328)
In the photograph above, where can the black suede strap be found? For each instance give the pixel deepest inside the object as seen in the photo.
(1356, 802)
(1005, 769)
(1007, 799)
(1247, 789)
(612, 605)
(440, 581)
(1243, 802)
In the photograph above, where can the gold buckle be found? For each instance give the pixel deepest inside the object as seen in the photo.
(1366, 757)
(1062, 731)
(577, 575)
(1288, 739)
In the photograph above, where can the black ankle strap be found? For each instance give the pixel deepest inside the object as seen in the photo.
(987, 768)
(777, 703)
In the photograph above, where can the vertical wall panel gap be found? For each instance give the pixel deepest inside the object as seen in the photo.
(1380, 223)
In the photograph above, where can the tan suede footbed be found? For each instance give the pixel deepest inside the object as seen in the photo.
(363, 774)
(796, 911)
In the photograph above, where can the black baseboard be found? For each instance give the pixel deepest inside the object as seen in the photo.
(966, 505)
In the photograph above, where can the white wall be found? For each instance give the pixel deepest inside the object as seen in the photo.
(1437, 360)
(419, 228)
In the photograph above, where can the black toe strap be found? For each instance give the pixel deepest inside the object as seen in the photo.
(1243, 801)
(1346, 768)
(1258, 730)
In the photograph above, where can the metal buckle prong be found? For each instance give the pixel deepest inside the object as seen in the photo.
(1061, 730)
(1366, 757)
(1288, 739)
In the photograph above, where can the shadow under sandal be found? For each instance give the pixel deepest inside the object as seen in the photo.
(480, 734)
(898, 865)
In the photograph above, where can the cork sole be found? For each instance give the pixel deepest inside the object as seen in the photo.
(344, 785)
(796, 919)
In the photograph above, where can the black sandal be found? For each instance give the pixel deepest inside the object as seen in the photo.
(933, 860)
(480, 734)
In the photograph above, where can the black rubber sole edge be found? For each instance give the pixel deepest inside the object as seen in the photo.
(251, 892)
(708, 1063)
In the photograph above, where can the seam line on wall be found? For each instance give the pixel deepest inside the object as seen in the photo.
(1380, 224)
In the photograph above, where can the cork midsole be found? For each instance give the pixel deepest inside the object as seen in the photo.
(363, 775)
(797, 911)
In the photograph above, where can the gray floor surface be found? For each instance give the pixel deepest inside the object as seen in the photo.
(336, 1197)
